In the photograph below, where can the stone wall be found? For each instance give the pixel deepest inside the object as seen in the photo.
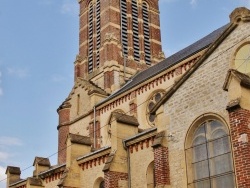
(201, 94)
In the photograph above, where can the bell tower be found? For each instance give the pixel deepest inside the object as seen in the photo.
(117, 39)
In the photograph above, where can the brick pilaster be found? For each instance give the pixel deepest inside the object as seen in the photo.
(162, 172)
(63, 131)
(240, 132)
(112, 178)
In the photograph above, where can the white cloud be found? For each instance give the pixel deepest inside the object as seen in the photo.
(193, 2)
(69, 7)
(20, 73)
(4, 156)
(10, 141)
(2, 177)
(57, 78)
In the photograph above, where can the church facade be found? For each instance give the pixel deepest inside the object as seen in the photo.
(135, 119)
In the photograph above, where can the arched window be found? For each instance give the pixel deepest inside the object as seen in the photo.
(98, 32)
(99, 183)
(209, 157)
(135, 30)
(146, 33)
(124, 27)
(90, 37)
(150, 175)
(151, 103)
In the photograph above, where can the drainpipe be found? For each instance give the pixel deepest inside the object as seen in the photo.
(128, 163)
(94, 127)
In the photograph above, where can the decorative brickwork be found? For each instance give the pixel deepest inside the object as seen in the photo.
(114, 179)
(240, 131)
(162, 172)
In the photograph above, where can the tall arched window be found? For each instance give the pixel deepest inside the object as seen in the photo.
(135, 30)
(209, 157)
(124, 27)
(150, 175)
(90, 37)
(98, 32)
(146, 33)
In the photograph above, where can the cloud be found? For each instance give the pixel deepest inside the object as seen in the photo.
(57, 78)
(46, 2)
(69, 7)
(4, 156)
(10, 141)
(2, 177)
(193, 3)
(20, 73)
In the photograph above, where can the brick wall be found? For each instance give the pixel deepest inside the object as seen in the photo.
(162, 172)
(240, 131)
(114, 179)
(63, 130)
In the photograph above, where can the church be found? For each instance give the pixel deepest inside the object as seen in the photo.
(135, 119)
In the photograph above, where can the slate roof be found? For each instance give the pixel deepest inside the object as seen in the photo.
(169, 62)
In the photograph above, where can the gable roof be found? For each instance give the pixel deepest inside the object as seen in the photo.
(238, 15)
(168, 62)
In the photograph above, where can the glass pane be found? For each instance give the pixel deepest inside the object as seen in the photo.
(218, 133)
(202, 184)
(199, 132)
(201, 170)
(226, 181)
(199, 152)
(150, 105)
(220, 164)
(219, 146)
(157, 97)
(151, 118)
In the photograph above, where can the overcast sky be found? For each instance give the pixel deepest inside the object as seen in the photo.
(38, 45)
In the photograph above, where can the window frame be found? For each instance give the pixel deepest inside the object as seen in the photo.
(189, 151)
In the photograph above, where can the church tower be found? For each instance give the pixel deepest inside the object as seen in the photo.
(117, 39)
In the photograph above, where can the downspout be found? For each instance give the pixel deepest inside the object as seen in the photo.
(94, 127)
(128, 163)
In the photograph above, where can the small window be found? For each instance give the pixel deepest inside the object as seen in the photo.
(209, 159)
(242, 59)
(151, 103)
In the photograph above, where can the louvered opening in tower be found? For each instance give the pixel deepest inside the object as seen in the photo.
(146, 33)
(90, 38)
(98, 32)
(135, 31)
(124, 27)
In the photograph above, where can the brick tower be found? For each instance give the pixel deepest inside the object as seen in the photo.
(117, 39)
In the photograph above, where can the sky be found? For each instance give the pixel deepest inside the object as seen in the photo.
(38, 46)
